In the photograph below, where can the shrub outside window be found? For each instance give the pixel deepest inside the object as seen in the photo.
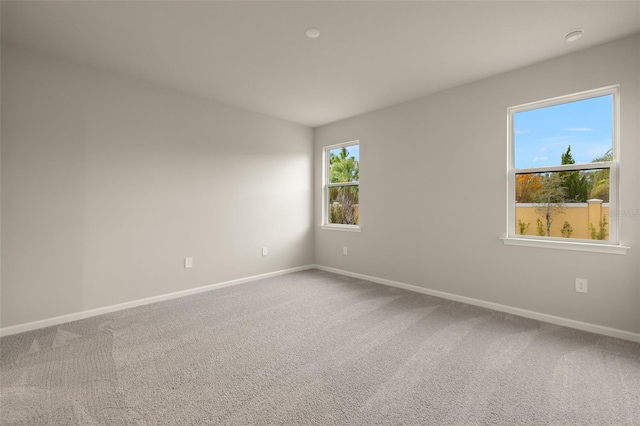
(563, 168)
(341, 177)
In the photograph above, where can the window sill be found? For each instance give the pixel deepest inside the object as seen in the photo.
(347, 228)
(567, 245)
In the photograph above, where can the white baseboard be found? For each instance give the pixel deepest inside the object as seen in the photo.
(34, 325)
(593, 328)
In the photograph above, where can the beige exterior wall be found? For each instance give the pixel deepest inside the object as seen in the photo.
(579, 216)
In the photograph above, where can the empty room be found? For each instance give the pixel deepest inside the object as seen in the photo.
(186, 240)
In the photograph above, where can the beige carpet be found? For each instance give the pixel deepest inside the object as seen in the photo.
(319, 349)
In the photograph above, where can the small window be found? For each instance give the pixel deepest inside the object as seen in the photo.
(341, 177)
(563, 168)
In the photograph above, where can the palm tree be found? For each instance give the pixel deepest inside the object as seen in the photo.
(599, 180)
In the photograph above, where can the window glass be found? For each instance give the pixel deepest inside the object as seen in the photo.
(542, 135)
(344, 205)
(563, 174)
(344, 164)
(341, 188)
(571, 204)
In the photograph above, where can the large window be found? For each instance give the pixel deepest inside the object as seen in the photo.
(563, 169)
(341, 179)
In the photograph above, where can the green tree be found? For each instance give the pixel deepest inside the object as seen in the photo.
(575, 183)
(343, 167)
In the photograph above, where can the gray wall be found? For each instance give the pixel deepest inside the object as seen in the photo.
(109, 183)
(433, 195)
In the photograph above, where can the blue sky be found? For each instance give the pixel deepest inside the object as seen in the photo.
(543, 135)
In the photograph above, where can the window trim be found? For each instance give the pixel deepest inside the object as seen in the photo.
(325, 189)
(610, 246)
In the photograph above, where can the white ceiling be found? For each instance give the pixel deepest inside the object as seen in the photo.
(369, 55)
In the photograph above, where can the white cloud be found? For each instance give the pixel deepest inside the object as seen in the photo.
(540, 158)
(543, 149)
(521, 132)
(580, 129)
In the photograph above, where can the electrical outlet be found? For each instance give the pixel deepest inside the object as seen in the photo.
(581, 285)
(188, 262)
(345, 250)
(265, 251)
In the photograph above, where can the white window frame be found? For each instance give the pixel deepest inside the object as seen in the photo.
(326, 185)
(610, 246)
